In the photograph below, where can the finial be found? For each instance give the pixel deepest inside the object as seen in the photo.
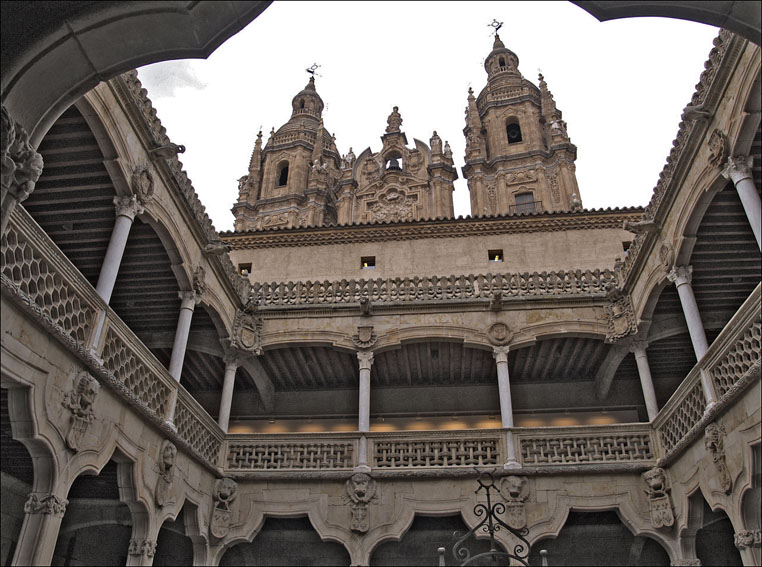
(470, 91)
(394, 121)
(312, 70)
(497, 25)
(272, 131)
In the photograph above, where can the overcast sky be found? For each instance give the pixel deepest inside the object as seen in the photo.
(621, 85)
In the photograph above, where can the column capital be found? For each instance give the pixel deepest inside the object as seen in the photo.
(128, 206)
(680, 275)
(500, 354)
(738, 168)
(45, 504)
(189, 299)
(232, 359)
(638, 347)
(365, 357)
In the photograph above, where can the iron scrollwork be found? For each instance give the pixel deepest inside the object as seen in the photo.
(490, 523)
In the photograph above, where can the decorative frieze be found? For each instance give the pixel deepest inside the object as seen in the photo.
(659, 502)
(386, 290)
(225, 493)
(714, 441)
(515, 491)
(45, 504)
(80, 400)
(360, 492)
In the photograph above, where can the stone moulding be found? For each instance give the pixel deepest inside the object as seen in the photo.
(689, 133)
(401, 290)
(131, 92)
(432, 228)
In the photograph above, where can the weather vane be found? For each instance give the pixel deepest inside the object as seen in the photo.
(312, 69)
(495, 24)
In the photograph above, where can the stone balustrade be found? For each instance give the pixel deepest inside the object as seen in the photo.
(732, 362)
(296, 453)
(402, 290)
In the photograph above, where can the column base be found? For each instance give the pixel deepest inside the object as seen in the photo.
(362, 468)
(511, 465)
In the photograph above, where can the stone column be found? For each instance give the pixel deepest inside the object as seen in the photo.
(500, 354)
(681, 276)
(126, 209)
(189, 301)
(39, 532)
(638, 348)
(232, 361)
(738, 169)
(365, 358)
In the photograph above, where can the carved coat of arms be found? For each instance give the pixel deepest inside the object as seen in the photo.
(247, 332)
(225, 492)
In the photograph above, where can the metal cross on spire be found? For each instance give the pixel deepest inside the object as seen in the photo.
(312, 69)
(495, 24)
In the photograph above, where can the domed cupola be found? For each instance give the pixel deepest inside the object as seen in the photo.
(307, 102)
(501, 61)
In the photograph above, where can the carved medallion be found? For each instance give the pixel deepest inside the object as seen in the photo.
(360, 492)
(365, 337)
(659, 503)
(718, 148)
(499, 334)
(515, 490)
(394, 206)
(80, 401)
(247, 332)
(225, 493)
(621, 316)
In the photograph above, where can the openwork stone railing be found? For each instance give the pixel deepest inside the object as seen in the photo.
(41, 280)
(304, 453)
(434, 288)
(585, 445)
(728, 363)
(435, 449)
(45, 282)
(197, 428)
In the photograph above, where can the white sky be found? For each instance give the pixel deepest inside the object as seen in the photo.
(621, 85)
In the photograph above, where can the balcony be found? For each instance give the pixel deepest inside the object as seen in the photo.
(525, 208)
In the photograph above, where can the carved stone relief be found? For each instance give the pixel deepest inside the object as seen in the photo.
(165, 485)
(199, 277)
(360, 492)
(659, 501)
(515, 491)
(499, 334)
(365, 337)
(492, 197)
(138, 548)
(80, 400)
(247, 330)
(414, 161)
(748, 538)
(714, 438)
(555, 191)
(142, 183)
(225, 493)
(520, 177)
(45, 504)
(394, 206)
(21, 164)
(718, 148)
(621, 316)
(667, 255)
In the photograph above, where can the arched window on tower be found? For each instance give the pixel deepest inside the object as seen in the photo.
(513, 130)
(301, 103)
(501, 61)
(283, 174)
(525, 203)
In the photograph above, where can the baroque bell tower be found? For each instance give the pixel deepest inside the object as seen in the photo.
(290, 181)
(519, 158)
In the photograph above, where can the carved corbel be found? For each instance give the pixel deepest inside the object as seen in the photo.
(366, 307)
(80, 400)
(165, 485)
(620, 314)
(21, 164)
(695, 112)
(659, 502)
(640, 227)
(140, 548)
(45, 504)
(167, 151)
(714, 438)
(361, 490)
(225, 493)
(748, 538)
(217, 248)
(515, 491)
(365, 337)
(496, 301)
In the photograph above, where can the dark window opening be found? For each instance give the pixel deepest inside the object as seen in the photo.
(367, 262)
(495, 255)
(525, 203)
(502, 62)
(514, 133)
(301, 103)
(626, 245)
(244, 269)
(283, 177)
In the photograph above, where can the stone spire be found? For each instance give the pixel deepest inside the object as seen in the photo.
(317, 151)
(474, 141)
(256, 155)
(551, 113)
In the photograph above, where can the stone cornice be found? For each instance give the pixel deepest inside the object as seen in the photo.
(433, 228)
